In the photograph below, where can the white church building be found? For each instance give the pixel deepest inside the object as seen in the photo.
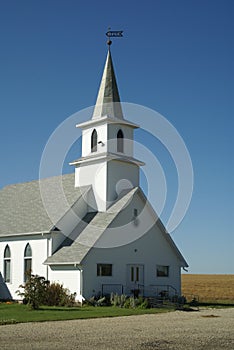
(107, 238)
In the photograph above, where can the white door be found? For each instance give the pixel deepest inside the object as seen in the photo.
(135, 277)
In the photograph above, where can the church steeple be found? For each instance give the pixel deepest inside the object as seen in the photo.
(108, 100)
(107, 162)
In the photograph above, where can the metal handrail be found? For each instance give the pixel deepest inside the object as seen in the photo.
(152, 288)
(112, 284)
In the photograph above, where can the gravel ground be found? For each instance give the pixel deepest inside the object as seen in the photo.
(210, 329)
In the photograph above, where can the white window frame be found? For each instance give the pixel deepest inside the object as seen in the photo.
(101, 270)
(27, 258)
(7, 264)
(162, 270)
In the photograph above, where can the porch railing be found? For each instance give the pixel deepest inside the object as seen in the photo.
(116, 288)
(163, 291)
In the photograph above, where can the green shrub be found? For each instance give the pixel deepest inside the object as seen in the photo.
(114, 299)
(34, 290)
(38, 291)
(57, 295)
(128, 302)
(133, 302)
(144, 304)
(118, 300)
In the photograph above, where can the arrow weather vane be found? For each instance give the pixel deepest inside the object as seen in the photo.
(113, 34)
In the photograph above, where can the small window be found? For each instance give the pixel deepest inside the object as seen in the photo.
(27, 262)
(162, 271)
(120, 141)
(104, 269)
(7, 264)
(94, 141)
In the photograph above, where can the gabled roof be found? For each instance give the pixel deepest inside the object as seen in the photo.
(22, 210)
(163, 230)
(85, 241)
(108, 101)
(87, 238)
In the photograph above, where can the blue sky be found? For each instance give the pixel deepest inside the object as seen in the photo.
(176, 57)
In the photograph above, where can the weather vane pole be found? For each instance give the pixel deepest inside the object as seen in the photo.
(113, 34)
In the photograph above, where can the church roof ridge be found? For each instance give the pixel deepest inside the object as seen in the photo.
(88, 238)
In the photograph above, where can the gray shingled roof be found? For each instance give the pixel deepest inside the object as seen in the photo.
(84, 238)
(75, 253)
(22, 209)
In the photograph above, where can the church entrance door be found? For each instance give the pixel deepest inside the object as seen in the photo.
(135, 279)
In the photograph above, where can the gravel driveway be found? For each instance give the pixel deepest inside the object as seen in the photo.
(211, 329)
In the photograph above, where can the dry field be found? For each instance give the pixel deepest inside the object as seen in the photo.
(209, 288)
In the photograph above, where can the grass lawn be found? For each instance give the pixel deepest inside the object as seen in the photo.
(17, 313)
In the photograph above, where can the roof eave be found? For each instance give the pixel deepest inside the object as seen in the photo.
(108, 156)
(74, 263)
(107, 119)
(25, 234)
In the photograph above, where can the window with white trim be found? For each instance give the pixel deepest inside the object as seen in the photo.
(7, 264)
(120, 141)
(104, 269)
(94, 141)
(162, 271)
(27, 262)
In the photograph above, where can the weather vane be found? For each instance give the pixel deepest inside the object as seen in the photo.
(113, 34)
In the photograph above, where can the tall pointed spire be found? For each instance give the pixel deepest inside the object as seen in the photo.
(108, 101)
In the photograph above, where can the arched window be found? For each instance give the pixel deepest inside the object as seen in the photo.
(94, 141)
(120, 141)
(7, 264)
(27, 262)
